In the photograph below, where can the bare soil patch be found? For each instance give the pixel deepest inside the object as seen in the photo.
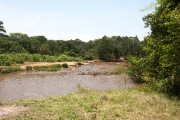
(10, 111)
(23, 66)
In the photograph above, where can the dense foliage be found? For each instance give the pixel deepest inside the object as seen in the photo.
(162, 48)
(2, 30)
(12, 59)
(106, 48)
(109, 49)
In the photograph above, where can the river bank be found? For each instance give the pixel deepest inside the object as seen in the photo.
(131, 104)
(30, 66)
(38, 84)
(100, 90)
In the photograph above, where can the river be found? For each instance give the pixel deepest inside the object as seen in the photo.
(96, 76)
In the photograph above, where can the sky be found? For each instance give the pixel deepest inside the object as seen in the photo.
(73, 19)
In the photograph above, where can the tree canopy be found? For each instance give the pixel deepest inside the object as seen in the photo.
(2, 29)
(161, 63)
(105, 48)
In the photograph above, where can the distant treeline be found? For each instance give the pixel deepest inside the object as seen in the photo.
(106, 48)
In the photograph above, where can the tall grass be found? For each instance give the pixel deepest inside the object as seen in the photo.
(9, 69)
(48, 68)
(86, 104)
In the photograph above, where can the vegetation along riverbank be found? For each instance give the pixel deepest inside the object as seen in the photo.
(134, 103)
(153, 64)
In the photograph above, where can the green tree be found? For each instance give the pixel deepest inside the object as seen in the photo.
(44, 49)
(163, 46)
(53, 47)
(34, 46)
(21, 39)
(16, 36)
(41, 39)
(8, 46)
(105, 49)
(2, 29)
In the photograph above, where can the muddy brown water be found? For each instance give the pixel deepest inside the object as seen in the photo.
(97, 76)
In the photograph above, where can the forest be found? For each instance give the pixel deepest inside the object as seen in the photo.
(105, 48)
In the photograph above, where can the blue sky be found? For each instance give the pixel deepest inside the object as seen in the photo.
(71, 19)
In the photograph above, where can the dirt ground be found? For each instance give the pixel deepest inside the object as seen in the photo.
(10, 111)
(23, 66)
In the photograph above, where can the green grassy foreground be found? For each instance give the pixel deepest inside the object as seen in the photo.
(107, 105)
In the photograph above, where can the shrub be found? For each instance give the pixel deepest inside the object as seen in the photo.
(50, 58)
(63, 58)
(136, 69)
(10, 59)
(88, 57)
(36, 58)
(77, 59)
(5, 60)
(118, 70)
(5, 70)
(57, 65)
(48, 68)
(29, 68)
(65, 65)
(79, 63)
(18, 58)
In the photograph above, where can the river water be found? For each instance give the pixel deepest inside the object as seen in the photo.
(97, 76)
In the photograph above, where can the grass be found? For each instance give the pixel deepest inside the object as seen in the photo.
(118, 70)
(12, 69)
(55, 67)
(86, 104)
(9, 69)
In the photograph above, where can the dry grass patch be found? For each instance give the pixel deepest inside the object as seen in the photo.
(9, 111)
(85, 104)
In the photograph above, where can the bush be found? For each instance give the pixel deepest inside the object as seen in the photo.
(20, 58)
(118, 70)
(136, 69)
(36, 58)
(79, 63)
(5, 60)
(48, 68)
(48, 58)
(66, 58)
(5, 70)
(65, 65)
(88, 57)
(29, 68)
